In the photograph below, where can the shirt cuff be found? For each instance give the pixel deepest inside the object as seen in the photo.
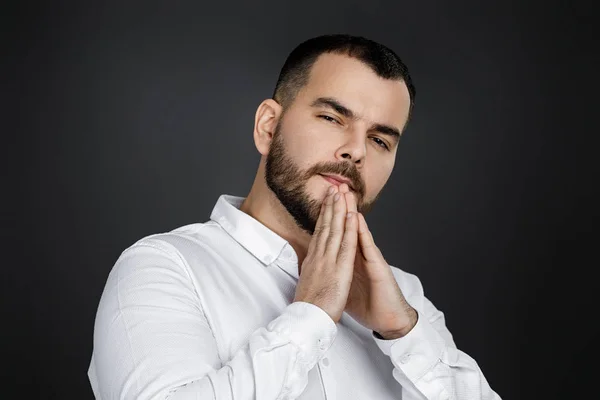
(307, 326)
(416, 352)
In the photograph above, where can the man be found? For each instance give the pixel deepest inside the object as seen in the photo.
(283, 294)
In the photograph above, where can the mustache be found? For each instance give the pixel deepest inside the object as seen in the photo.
(345, 170)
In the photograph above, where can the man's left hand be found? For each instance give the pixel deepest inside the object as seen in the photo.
(375, 300)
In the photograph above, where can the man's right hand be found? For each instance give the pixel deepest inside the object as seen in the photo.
(326, 273)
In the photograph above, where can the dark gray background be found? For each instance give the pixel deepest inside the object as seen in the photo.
(126, 120)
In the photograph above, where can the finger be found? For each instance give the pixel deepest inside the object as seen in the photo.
(351, 201)
(324, 223)
(350, 197)
(348, 246)
(365, 238)
(320, 220)
(329, 191)
(336, 231)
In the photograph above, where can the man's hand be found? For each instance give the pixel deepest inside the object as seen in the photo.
(326, 272)
(375, 300)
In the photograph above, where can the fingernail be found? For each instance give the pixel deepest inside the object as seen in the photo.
(330, 190)
(336, 197)
(349, 215)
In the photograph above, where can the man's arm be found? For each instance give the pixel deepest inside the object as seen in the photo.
(153, 341)
(426, 361)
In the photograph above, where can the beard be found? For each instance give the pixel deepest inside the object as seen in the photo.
(288, 182)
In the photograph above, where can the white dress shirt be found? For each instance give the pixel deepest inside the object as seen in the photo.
(205, 312)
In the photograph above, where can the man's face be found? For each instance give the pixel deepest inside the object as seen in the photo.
(342, 122)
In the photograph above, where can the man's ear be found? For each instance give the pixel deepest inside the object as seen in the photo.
(265, 121)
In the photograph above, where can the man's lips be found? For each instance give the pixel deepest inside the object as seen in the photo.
(337, 180)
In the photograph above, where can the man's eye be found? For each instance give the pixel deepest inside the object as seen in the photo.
(380, 143)
(328, 118)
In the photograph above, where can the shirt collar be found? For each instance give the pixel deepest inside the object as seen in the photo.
(255, 237)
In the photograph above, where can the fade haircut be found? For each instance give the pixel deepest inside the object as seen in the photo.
(296, 69)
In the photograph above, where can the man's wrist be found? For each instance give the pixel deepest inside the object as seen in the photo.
(389, 336)
(398, 333)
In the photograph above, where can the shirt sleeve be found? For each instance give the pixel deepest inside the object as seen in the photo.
(152, 340)
(427, 363)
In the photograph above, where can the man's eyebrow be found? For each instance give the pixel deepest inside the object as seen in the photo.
(329, 102)
(334, 104)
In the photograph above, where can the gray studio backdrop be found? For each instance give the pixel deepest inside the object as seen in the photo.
(137, 117)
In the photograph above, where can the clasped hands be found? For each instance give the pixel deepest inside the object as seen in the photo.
(345, 271)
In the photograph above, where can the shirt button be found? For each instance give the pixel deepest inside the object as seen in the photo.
(404, 359)
(326, 362)
(290, 253)
(322, 344)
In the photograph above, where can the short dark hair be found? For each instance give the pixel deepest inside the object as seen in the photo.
(296, 69)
